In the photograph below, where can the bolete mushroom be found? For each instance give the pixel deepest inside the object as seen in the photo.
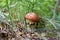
(33, 19)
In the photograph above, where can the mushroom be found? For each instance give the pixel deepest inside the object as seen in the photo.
(33, 18)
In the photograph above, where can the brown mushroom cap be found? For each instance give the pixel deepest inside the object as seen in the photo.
(32, 17)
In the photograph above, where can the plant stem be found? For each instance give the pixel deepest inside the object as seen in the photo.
(11, 20)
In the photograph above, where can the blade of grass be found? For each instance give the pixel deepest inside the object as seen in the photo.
(11, 20)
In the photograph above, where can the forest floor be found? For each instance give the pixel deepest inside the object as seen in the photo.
(19, 33)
